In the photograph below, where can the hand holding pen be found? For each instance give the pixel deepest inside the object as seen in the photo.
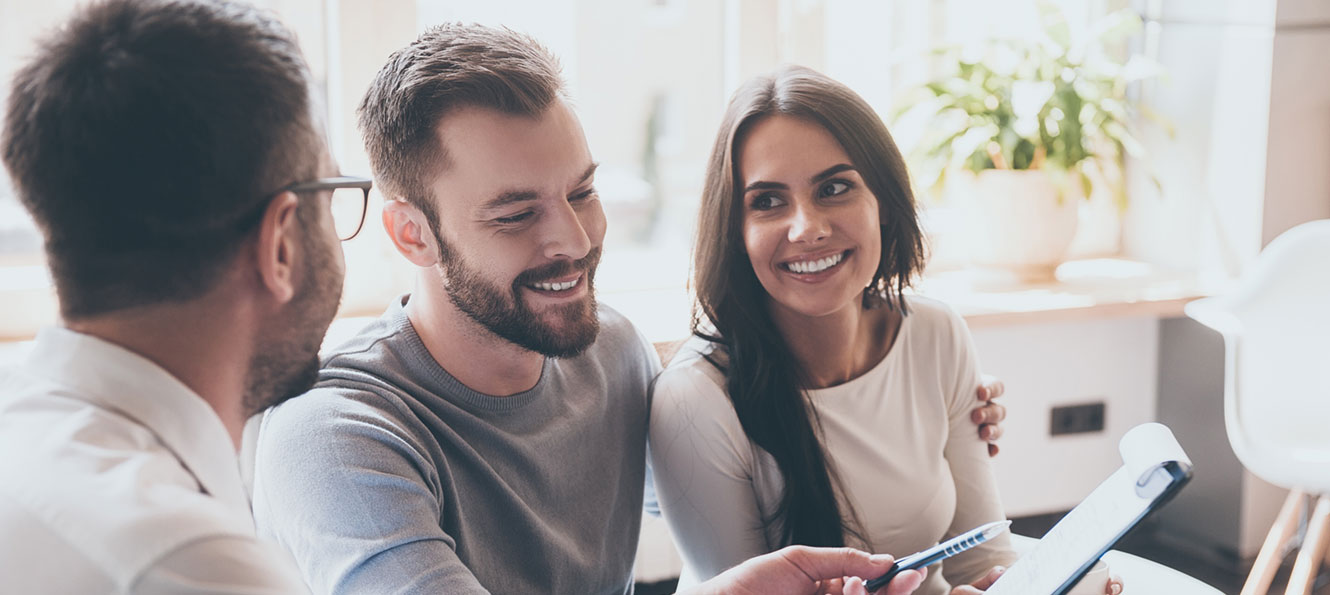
(940, 552)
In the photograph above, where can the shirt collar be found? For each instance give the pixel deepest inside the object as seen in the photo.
(114, 378)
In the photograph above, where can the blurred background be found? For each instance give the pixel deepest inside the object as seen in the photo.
(650, 78)
(1211, 139)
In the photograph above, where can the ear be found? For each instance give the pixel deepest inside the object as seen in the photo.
(277, 246)
(409, 230)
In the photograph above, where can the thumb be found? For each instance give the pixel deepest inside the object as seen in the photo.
(990, 578)
(826, 563)
(905, 583)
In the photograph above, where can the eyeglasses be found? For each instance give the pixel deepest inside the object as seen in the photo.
(350, 199)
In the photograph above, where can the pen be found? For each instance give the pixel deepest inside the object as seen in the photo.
(940, 552)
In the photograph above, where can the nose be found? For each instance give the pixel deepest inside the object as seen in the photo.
(808, 224)
(566, 238)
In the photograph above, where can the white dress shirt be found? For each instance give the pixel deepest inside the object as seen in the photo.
(117, 478)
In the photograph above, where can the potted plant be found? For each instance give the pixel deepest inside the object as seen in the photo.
(1019, 130)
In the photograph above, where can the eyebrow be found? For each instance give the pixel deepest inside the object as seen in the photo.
(514, 196)
(818, 177)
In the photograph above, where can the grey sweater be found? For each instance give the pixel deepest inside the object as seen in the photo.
(393, 477)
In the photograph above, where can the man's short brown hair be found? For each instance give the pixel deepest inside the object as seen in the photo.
(449, 66)
(147, 136)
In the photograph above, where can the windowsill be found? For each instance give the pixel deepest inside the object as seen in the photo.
(1092, 289)
(1084, 290)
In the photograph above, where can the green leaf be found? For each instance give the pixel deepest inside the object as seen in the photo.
(1115, 26)
(1139, 68)
(1055, 25)
(1087, 121)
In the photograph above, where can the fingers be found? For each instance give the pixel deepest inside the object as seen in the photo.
(834, 563)
(855, 586)
(1114, 586)
(990, 578)
(989, 413)
(989, 418)
(905, 583)
(990, 387)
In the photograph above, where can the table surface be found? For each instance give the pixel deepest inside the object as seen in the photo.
(1139, 576)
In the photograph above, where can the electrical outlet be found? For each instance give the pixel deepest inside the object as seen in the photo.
(1076, 419)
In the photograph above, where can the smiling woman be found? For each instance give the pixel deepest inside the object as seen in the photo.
(811, 232)
(813, 386)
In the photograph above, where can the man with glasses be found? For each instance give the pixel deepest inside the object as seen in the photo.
(191, 214)
(165, 150)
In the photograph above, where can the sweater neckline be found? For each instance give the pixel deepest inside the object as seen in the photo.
(448, 384)
(879, 369)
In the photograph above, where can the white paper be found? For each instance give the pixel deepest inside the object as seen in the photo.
(1101, 517)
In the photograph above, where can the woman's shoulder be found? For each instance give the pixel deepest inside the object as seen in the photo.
(692, 379)
(928, 316)
(927, 310)
(696, 358)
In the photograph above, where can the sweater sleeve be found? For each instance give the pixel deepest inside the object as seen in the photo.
(977, 500)
(346, 488)
(703, 467)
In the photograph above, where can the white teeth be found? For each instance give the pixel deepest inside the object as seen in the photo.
(815, 266)
(565, 286)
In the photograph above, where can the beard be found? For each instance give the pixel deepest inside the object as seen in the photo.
(565, 330)
(286, 363)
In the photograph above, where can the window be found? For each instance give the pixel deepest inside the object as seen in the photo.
(649, 79)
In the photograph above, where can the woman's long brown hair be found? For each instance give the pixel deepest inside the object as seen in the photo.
(766, 384)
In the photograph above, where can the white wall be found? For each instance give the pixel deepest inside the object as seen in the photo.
(1216, 95)
(1048, 365)
(1251, 157)
(1297, 185)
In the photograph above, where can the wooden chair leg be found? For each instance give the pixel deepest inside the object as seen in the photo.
(1267, 562)
(1313, 549)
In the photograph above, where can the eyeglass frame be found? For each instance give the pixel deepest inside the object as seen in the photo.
(339, 182)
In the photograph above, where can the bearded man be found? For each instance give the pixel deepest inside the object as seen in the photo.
(488, 433)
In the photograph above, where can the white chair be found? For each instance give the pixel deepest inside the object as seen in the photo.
(1276, 329)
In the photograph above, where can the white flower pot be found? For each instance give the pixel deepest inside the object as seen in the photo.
(1018, 221)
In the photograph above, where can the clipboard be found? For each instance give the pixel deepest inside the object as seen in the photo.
(1154, 469)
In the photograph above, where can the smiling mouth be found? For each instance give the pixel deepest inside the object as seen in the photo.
(811, 267)
(556, 287)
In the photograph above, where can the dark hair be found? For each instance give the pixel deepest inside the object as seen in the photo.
(145, 138)
(449, 66)
(765, 383)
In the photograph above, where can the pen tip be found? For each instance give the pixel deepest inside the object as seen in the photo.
(996, 528)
